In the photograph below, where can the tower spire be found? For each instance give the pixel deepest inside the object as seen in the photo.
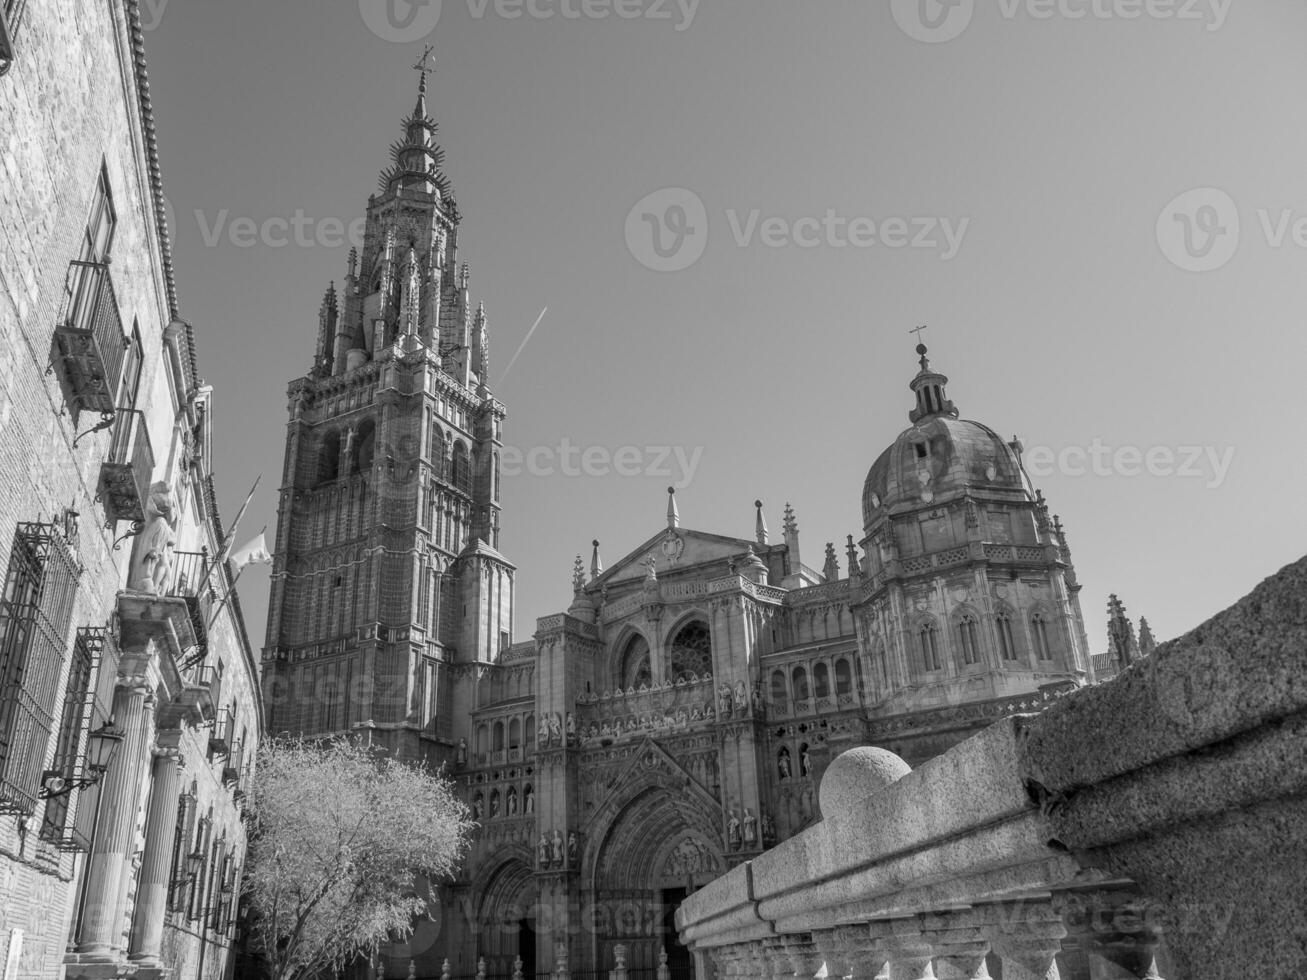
(673, 514)
(760, 524)
(416, 159)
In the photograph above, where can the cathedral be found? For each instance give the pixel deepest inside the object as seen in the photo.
(676, 718)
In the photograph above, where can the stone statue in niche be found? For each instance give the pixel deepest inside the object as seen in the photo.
(733, 830)
(555, 729)
(724, 699)
(478, 807)
(783, 763)
(542, 847)
(462, 752)
(542, 731)
(529, 805)
(741, 698)
(494, 805)
(805, 762)
(558, 849)
(750, 828)
(512, 801)
(573, 849)
(768, 828)
(571, 727)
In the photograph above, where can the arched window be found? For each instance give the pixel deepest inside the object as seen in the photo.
(800, 679)
(530, 728)
(1039, 630)
(482, 747)
(691, 652)
(843, 678)
(494, 472)
(515, 733)
(778, 687)
(461, 468)
(821, 680)
(365, 447)
(635, 664)
(928, 640)
(499, 736)
(329, 458)
(969, 638)
(1007, 646)
(437, 452)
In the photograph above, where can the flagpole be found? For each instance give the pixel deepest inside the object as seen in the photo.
(231, 532)
(234, 579)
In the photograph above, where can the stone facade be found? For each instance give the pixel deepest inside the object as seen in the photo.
(1149, 827)
(676, 719)
(116, 607)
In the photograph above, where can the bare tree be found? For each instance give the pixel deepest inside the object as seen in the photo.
(340, 837)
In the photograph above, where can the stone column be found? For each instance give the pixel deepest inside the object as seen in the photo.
(863, 957)
(103, 913)
(1027, 936)
(160, 830)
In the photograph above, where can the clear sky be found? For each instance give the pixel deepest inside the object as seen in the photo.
(1039, 154)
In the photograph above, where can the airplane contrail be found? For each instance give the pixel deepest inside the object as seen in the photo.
(522, 345)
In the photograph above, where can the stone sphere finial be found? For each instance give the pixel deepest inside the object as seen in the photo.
(855, 776)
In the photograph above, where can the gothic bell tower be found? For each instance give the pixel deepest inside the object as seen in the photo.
(388, 575)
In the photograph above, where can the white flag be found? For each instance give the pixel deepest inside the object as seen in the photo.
(255, 552)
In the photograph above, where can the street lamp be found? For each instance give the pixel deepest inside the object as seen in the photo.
(102, 745)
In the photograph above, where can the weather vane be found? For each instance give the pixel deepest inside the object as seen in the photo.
(917, 331)
(425, 65)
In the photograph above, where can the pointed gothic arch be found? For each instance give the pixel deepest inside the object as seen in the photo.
(689, 648)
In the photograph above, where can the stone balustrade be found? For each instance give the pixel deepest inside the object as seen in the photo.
(1153, 826)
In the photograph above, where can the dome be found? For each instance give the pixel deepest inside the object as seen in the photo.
(935, 457)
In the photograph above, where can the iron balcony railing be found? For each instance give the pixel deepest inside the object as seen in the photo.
(224, 729)
(89, 341)
(193, 575)
(125, 475)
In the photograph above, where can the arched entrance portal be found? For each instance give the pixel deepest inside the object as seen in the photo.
(655, 850)
(506, 919)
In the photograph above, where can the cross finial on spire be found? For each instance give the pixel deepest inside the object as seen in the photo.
(426, 66)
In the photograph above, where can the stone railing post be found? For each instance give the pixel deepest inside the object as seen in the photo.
(1027, 936)
(958, 939)
(907, 953)
(1118, 931)
(664, 971)
(481, 968)
(444, 970)
(619, 963)
(561, 970)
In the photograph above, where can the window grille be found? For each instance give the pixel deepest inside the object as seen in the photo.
(59, 825)
(35, 612)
